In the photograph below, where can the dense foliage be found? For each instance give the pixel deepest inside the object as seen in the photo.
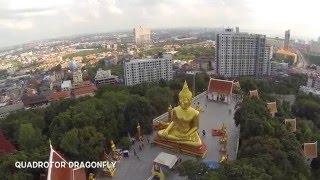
(192, 52)
(313, 59)
(285, 85)
(81, 129)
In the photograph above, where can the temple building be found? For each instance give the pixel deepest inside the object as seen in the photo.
(65, 173)
(310, 150)
(6, 146)
(104, 77)
(272, 108)
(291, 124)
(220, 90)
(254, 94)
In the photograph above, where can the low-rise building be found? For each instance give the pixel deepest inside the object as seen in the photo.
(59, 95)
(35, 101)
(86, 88)
(204, 62)
(220, 90)
(66, 85)
(105, 77)
(278, 67)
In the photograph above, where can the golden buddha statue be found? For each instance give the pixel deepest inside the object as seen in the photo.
(91, 176)
(113, 146)
(183, 128)
(224, 159)
(115, 154)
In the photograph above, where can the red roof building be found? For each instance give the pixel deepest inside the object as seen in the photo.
(220, 90)
(65, 173)
(85, 88)
(220, 86)
(59, 95)
(5, 145)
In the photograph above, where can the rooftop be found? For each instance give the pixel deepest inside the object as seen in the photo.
(220, 86)
(59, 95)
(84, 88)
(310, 150)
(63, 173)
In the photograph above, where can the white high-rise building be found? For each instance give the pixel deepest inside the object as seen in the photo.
(287, 39)
(242, 54)
(148, 70)
(142, 36)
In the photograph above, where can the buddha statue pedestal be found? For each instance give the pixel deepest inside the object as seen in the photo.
(181, 134)
(198, 151)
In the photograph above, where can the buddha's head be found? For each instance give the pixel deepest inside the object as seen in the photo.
(185, 96)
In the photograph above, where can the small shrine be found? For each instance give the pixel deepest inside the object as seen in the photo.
(272, 108)
(291, 124)
(310, 150)
(254, 94)
(220, 90)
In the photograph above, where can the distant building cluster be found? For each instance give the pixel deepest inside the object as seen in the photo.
(279, 68)
(313, 85)
(138, 71)
(142, 36)
(242, 54)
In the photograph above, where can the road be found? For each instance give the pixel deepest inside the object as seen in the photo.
(302, 62)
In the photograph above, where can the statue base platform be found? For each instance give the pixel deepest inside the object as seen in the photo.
(199, 151)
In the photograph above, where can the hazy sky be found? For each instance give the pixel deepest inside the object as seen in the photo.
(26, 20)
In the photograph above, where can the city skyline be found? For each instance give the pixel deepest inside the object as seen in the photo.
(25, 21)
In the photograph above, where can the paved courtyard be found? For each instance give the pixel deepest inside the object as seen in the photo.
(213, 116)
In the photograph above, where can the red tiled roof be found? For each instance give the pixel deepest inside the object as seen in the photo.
(5, 145)
(65, 173)
(59, 95)
(84, 88)
(220, 86)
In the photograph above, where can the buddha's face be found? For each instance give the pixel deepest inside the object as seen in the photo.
(185, 102)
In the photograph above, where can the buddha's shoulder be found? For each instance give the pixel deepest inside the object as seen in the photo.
(191, 110)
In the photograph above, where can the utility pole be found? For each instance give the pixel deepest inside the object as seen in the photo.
(194, 73)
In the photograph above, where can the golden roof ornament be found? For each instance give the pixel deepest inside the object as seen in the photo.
(185, 92)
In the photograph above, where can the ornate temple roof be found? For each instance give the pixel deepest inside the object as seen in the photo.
(63, 173)
(220, 86)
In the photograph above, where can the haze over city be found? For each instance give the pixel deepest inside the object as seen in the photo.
(26, 20)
